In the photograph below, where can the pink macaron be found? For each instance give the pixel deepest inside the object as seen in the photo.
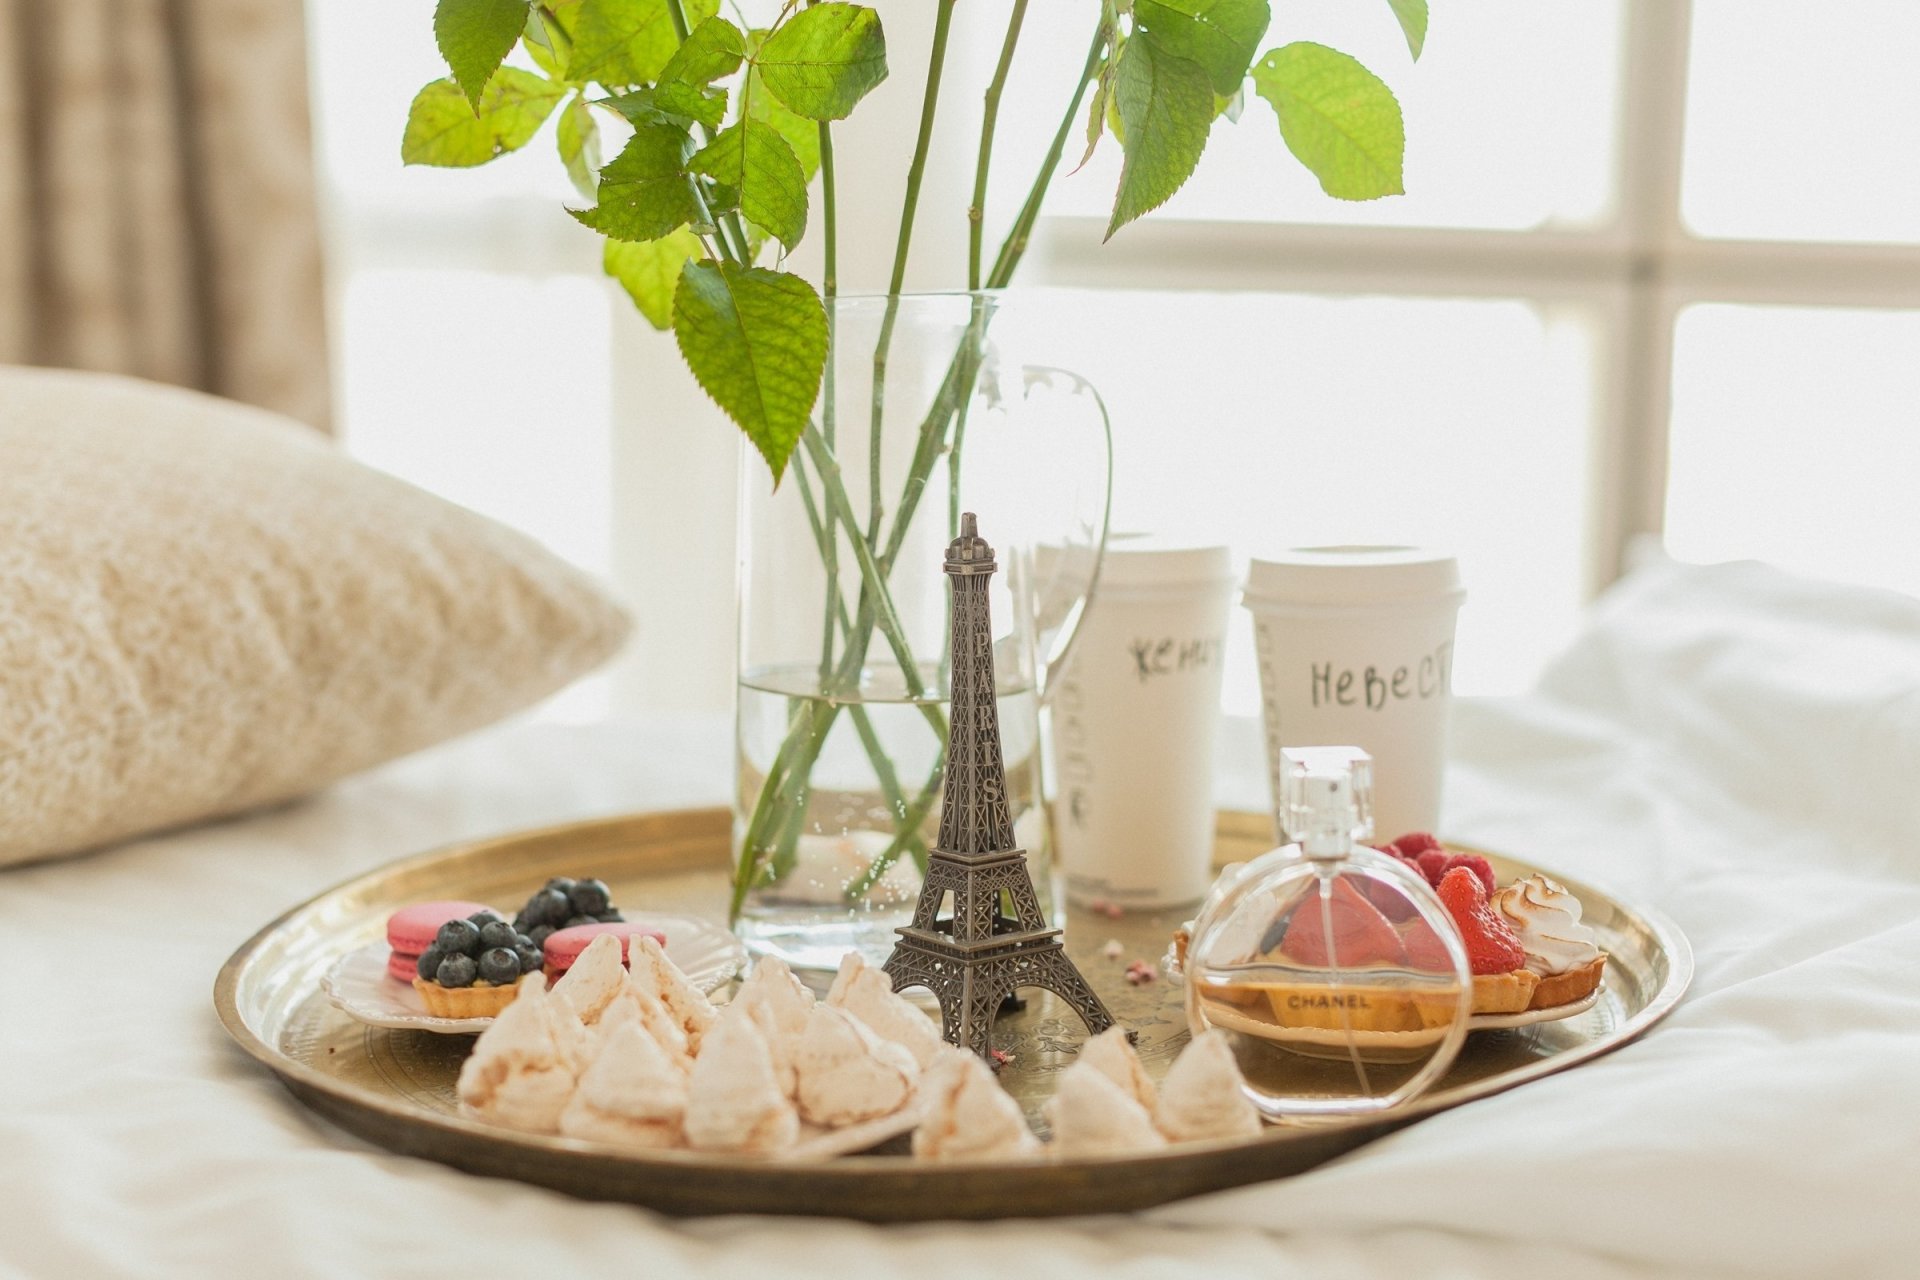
(410, 931)
(565, 945)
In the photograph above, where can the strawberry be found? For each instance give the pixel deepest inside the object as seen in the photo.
(1491, 946)
(1476, 864)
(1425, 952)
(1433, 865)
(1415, 843)
(1392, 904)
(1361, 935)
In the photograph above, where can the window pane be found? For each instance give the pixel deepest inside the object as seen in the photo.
(1794, 440)
(1803, 121)
(1511, 115)
(1274, 420)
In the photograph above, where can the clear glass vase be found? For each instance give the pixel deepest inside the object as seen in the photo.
(933, 404)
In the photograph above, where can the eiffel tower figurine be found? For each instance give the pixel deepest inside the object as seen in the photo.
(976, 957)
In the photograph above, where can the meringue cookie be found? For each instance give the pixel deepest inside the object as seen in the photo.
(595, 980)
(666, 984)
(867, 993)
(734, 1101)
(845, 1073)
(778, 1004)
(1111, 1054)
(516, 1076)
(967, 1115)
(1092, 1116)
(1202, 1099)
(631, 1096)
(660, 1024)
(1546, 920)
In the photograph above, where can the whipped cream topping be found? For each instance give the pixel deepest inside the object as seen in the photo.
(967, 1115)
(1546, 920)
(868, 994)
(663, 980)
(734, 1100)
(1202, 1097)
(594, 981)
(1093, 1116)
(631, 1095)
(1111, 1054)
(516, 1076)
(846, 1074)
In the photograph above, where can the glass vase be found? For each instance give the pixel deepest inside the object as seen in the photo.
(932, 405)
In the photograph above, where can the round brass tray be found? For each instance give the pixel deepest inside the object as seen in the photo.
(395, 1088)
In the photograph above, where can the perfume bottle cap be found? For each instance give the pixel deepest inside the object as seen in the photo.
(1326, 802)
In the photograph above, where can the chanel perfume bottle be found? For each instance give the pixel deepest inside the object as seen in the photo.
(1336, 972)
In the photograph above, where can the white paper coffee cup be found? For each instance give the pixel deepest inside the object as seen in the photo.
(1355, 647)
(1134, 722)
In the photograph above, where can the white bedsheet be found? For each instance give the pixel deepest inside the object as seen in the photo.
(1737, 746)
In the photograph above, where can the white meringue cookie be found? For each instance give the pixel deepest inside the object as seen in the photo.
(1201, 1099)
(631, 1096)
(594, 981)
(966, 1115)
(664, 981)
(516, 1076)
(778, 1003)
(846, 1074)
(660, 1024)
(734, 1101)
(1111, 1054)
(1546, 920)
(1092, 1116)
(868, 994)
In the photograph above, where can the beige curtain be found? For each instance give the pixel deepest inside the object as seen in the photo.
(157, 212)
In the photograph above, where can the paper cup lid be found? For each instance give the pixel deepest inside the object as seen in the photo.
(1151, 560)
(1352, 576)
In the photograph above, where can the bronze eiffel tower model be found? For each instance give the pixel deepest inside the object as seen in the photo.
(977, 956)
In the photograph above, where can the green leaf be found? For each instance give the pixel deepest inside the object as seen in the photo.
(474, 36)
(802, 134)
(1220, 35)
(758, 166)
(626, 42)
(1102, 105)
(1337, 118)
(578, 136)
(756, 340)
(1413, 23)
(547, 42)
(645, 192)
(443, 129)
(825, 59)
(649, 270)
(691, 102)
(712, 49)
(1165, 105)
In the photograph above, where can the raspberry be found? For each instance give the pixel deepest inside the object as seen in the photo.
(1392, 904)
(1476, 864)
(1491, 946)
(1433, 865)
(1415, 843)
(1361, 935)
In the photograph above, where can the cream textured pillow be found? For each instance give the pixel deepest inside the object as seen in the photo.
(206, 607)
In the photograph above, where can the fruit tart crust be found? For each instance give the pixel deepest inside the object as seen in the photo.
(481, 1000)
(1565, 988)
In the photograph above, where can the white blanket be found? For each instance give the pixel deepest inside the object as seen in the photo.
(1737, 746)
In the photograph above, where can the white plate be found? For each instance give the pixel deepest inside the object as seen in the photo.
(358, 984)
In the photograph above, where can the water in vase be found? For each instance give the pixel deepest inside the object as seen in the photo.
(845, 870)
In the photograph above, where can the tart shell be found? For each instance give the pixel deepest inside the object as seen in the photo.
(1565, 988)
(481, 1000)
(1504, 992)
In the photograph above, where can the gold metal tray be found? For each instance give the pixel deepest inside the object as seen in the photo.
(395, 1088)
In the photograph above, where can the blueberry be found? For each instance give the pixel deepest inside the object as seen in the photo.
(549, 906)
(485, 916)
(576, 921)
(429, 961)
(563, 883)
(530, 959)
(590, 898)
(520, 922)
(540, 933)
(497, 933)
(457, 971)
(522, 940)
(500, 966)
(610, 917)
(457, 937)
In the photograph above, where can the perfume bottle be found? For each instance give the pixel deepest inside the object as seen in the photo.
(1336, 972)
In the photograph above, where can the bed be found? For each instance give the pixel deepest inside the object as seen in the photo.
(1740, 747)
